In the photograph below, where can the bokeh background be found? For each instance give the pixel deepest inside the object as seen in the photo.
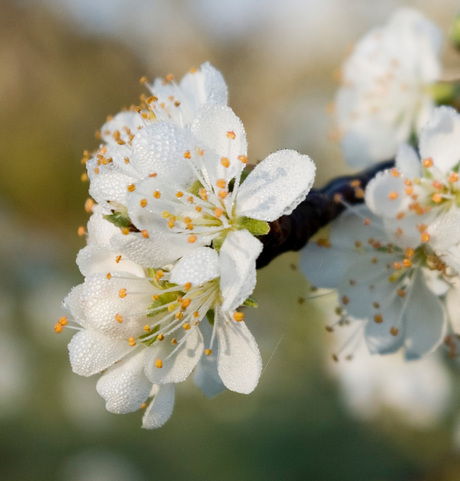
(64, 66)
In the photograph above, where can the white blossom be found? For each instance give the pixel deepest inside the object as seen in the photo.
(420, 198)
(389, 290)
(144, 327)
(384, 97)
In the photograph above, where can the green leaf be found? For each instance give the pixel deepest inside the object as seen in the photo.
(250, 302)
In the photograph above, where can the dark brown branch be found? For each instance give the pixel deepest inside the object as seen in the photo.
(292, 232)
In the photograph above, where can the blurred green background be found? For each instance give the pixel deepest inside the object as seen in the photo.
(64, 66)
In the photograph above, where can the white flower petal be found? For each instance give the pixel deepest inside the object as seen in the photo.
(179, 365)
(219, 130)
(425, 325)
(121, 122)
(239, 363)
(385, 195)
(124, 385)
(238, 267)
(439, 139)
(159, 149)
(206, 85)
(276, 186)
(408, 162)
(197, 267)
(157, 251)
(100, 230)
(91, 352)
(160, 409)
(94, 259)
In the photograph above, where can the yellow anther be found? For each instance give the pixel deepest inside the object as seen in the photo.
(367, 221)
(358, 244)
(157, 194)
(199, 151)
(160, 337)
(198, 208)
(425, 237)
(323, 242)
(221, 183)
(436, 198)
(63, 321)
(89, 204)
(171, 224)
(174, 341)
(143, 202)
(57, 328)
(109, 276)
(428, 162)
(394, 331)
(238, 316)
(179, 315)
(407, 263)
(119, 318)
(243, 158)
(143, 406)
(397, 266)
(159, 363)
(118, 259)
(155, 297)
(400, 215)
(186, 325)
(223, 194)
(393, 195)
(190, 199)
(165, 214)
(81, 231)
(355, 183)
(179, 194)
(192, 70)
(218, 212)
(122, 293)
(153, 174)
(187, 154)
(453, 177)
(126, 160)
(84, 177)
(395, 172)
(203, 194)
(345, 300)
(145, 234)
(359, 193)
(231, 135)
(131, 188)
(172, 307)
(187, 286)
(187, 220)
(169, 77)
(376, 305)
(132, 341)
(196, 314)
(146, 328)
(207, 352)
(159, 274)
(143, 80)
(225, 162)
(410, 252)
(125, 230)
(401, 292)
(191, 239)
(378, 318)
(186, 302)
(96, 170)
(409, 190)
(176, 103)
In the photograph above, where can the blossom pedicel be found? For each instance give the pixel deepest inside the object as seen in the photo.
(172, 246)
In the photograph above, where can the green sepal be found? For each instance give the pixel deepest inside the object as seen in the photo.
(254, 226)
(150, 341)
(445, 93)
(211, 315)
(119, 219)
(162, 300)
(250, 302)
(454, 33)
(195, 188)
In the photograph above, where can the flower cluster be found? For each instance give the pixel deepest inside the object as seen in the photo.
(384, 98)
(172, 247)
(396, 257)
